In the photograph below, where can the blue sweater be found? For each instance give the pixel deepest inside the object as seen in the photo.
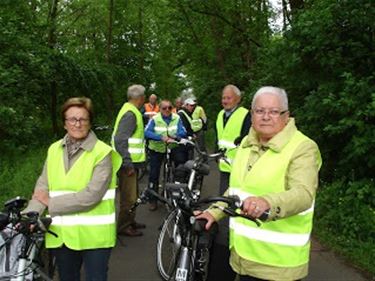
(150, 129)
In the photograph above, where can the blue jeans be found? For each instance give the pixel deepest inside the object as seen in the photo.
(69, 263)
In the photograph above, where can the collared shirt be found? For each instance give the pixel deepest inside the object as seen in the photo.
(301, 182)
(87, 197)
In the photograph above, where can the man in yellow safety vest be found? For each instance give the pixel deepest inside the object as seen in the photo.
(128, 141)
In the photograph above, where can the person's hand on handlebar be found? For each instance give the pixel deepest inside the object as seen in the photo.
(205, 216)
(254, 206)
(167, 139)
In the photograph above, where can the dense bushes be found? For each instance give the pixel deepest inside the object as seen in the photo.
(325, 61)
(345, 220)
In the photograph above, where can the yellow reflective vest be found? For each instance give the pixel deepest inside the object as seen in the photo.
(136, 141)
(281, 243)
(196, 124)
(227, 135)
(163, 129)
(91, 229)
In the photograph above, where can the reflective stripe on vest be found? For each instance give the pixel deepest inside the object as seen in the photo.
(159, 129)
(110, 193)
(288, 239)
(136, 142)
(227, 135)
(284, 242)
(84, 220)
(90, 229)
(163, 129)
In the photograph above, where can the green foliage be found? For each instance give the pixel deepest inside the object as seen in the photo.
(345, 219)
(325, 62)
(19, 173)
(324, 59)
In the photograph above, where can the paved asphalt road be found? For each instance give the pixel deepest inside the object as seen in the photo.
(133, 259)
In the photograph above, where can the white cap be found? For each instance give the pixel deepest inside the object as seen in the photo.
(190, 101)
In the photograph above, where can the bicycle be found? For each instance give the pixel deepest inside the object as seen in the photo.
(168, 166)
(183, 244)
(198, 168)
(23, 236)
(192, 172)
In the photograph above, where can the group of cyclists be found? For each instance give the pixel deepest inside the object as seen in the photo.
(270, 165)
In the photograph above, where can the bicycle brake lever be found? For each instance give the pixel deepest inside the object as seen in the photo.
(52, 233)
(233, 213)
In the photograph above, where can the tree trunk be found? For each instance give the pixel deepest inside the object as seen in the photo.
(52, 39)
(217, 35)
(295, 5)
(110, 28)
(141, 43)
(111, 103)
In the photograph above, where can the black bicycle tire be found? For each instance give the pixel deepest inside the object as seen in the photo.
(162, 268)
(167, 178)
(47, 267)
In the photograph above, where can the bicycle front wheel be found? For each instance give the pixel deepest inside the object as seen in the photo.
(169, 245)
(167, 178)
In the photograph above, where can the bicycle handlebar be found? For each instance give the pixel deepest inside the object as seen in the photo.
(178, 191)
(27, 223)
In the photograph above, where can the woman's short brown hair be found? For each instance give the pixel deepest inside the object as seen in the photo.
(84, 102)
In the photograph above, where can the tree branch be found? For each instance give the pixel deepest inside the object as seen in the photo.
(221, 17)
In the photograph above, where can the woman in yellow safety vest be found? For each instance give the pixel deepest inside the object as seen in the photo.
(276, 170)
(77, 186)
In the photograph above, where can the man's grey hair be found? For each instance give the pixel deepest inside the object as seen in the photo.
(275, 91)
(234, 89)
(136, 91)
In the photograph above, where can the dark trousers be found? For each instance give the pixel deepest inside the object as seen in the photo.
(178, 156)
(220, 268)
(69, 263)
(128, 190)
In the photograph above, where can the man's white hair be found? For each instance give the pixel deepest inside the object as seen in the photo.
(136, 91)
(275, 91)
(234, 89)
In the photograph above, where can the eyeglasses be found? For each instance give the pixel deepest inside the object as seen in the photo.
(166, 107)
(73, 121)
(271, 112)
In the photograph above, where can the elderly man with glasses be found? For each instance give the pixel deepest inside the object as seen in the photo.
(162, 129)
(275, 170)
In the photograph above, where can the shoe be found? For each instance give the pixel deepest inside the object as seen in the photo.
(138, 225)
(153, 207)
(131, 232)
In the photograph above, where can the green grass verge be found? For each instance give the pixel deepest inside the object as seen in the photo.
(19, 172)
(360, 254)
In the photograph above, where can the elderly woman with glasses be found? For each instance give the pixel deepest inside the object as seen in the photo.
(275, 170)
(162, 129)
(77, 186)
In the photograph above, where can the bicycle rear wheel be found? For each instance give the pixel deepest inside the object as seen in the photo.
(169, 245)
